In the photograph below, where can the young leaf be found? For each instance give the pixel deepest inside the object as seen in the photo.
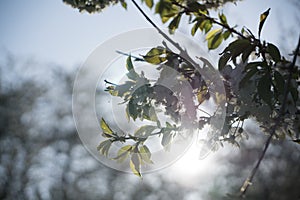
(263, 18)
(129, 65)
(223, 19)
(274, 52)
(212, 33)
(105, 128)
(104, 146)
(174, 23)
(149, 3)
(145, 154)
(123, 153)
(195, 28)
(215, 41)
(156, 55)
(206, 25)
(135, 164)
(226, 34)
(124, 4)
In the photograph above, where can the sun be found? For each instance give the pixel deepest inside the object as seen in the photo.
(189, 169)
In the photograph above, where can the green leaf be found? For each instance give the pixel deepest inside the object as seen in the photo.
(223, 60)
(263, 18)
(264, 89)
(274, 52)
(215, 41)
(174, 23)
(104, 146)
(156, 55)
(129, 65)
(105, 128)
(123, 153)
(149, 3)
(145, 154)
(237, 47)
(226, 34)
(135, 164)
(124, 4)
(195, 28)
(166, 10)
(223, 19)
(206, 25)
(212, 33)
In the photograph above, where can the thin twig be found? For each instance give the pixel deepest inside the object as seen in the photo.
(155, 26)
(127, 54)
(248, 181)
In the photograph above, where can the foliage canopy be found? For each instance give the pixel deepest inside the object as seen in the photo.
(260, 84)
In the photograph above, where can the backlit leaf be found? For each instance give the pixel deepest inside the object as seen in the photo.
(104, 146)
(215, 41)
(105, 128)
(174, 23)
(263, 18)
(135, 164)
(123, 153)
(149, 3)
(223, 19)
(212, 33)
(145, 154)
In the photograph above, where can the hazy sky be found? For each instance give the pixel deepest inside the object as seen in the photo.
(54, 32)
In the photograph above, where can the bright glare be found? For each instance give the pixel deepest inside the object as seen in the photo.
(189, 169)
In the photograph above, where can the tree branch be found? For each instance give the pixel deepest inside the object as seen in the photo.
(156, 27)
(278, 120)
